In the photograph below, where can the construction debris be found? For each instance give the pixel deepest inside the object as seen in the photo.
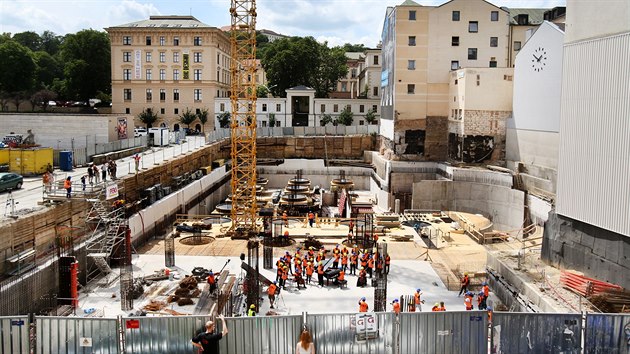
(154, 305)
(185, 301)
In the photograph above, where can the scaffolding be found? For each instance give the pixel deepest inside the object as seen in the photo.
(252, 278)
(380, 279)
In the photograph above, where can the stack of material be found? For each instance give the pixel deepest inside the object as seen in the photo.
(388, 220)
(612, 301)
(155, 305)
(605, 296)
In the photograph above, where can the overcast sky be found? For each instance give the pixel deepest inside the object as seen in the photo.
(335, 21)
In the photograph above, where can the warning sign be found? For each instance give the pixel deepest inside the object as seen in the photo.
(132, 324)
(366, 322)
(85, 342)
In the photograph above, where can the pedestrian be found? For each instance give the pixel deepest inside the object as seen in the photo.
(252, 310)
(47, 181)
(363, 306)
(417, 301)
(285, 218)
(388, 260)
(67, 185)
(136, 159)
(481, 301)
(320, 273)
(309, 272)
(212, 282)
(465, 282)
(354, 259)
(83, 182)
(208, 341)
(104, 173)
(305, 345)
(271, 293)
(351, 228)
(396, 306)
(435, 307)
(114, 168)
(442, 307)
(90, 172)
(468, 301)
(97, 173)
(311, 218)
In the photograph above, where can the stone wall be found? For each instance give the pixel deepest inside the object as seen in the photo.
(479, 137)
(336, 147)
(599, 253)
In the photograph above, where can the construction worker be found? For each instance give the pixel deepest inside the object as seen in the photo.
(344, 261)
(442, 307)
(340, 279)
(344, 251)
(468, 297)
(388, 260)
(285, 219)
(435, 307)
(417, 301)
(354, 262)
(212, 283)
(351, 228)
(271, 292)
(311, 218)
(364, 260)
(490, 311)
(336, 259)
(285, 276)
(309, 272)
(298, 269)
(363, 306)
(379, 265)
(67, 185)
(370, 265)
(252, 310)
(320, 273)
(481, 301)
(465, 282)
(362, 281)
(279, 266)
(396, 306)
(486, 289)
(287, 257)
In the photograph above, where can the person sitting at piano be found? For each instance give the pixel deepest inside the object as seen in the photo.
(340, 279)
(362, 281)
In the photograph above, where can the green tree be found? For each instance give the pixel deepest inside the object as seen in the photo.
(148, 117)
(272, 120)
(29, 39)
(370, 116)
(42, 97)
(87, 70)
(224, 119)
(332, 67)
(356, 48)
(187, 117)
(345, 117)
(262, 91)
(47, 70)
(262, 43)
(325, 119)
(50, 42)
(18, 67)
(203, 116)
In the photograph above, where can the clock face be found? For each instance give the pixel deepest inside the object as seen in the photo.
(539, 59)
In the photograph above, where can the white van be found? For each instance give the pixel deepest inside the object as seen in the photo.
(139, 132)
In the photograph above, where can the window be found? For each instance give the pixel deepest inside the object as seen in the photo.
(162, 74)
(375, 91)
(127, 40)
(264, 107)
(148, 40)
(493, 63)
(175, 74)
(176, 57)
(176, 111)
(126, 74)
(412, 41)
(162, 40)
(197, 94)
(494, 15)
(348, 108)
(411, 65)
(162, 57)
(127, 94)
(197, 41)
(176, 41)
(278, 107)
(344, 86)
(411, 89)
(162, 111)
(374, 108)
(455, 16)
(361, 122)
(127, 110)
(478, 80)
(322, 108)
(517, 46)
(335, 108)
(455, 41)
(376, 60)
(176, 95)
(361, 108)
(126, 57)
(197, 74)
(222, 107)
(473, 26)
(494, 41)
(507, 77)
(149, 75)
(412, 15)
(148, 57)
(522, 19)
(162, 95)
(454, 64)
(472, 53)
(197, 57)
(149, 95)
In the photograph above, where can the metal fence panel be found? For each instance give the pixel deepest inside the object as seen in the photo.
(336, 334)
(262, 335)
(14, 335)
(167, 335)
(77, 335)
(536, 333)
(607, 333)
(444, 332)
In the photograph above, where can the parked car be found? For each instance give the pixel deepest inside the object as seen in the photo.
(10, 181)
(139, 132)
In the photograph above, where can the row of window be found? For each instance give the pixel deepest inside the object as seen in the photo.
(322, 108)
(472, 52)
(455, 15)
(494, 41)
(197, 95)
(148, 40)
(148, 57)
(148, 75)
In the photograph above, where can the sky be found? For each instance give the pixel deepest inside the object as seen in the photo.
(335, 21)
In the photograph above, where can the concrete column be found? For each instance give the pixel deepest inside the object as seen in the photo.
(397, 206)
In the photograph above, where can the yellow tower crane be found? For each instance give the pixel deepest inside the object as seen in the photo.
(243, 118)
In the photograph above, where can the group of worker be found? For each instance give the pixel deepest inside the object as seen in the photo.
(482, 297)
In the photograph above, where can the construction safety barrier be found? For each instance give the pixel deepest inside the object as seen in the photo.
(381, 332)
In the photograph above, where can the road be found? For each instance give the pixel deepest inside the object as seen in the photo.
(27, 199)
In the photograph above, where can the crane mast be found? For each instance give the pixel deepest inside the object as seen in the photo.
(243, 118)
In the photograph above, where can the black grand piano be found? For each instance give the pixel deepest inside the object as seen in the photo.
(331, 274)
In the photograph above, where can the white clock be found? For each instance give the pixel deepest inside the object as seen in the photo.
(539, 60)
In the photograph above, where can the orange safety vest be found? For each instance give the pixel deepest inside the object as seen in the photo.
(396, 307)
(387, 260)
(309, 270)
(211, 279)
(311, 216)
(272, 289)
(468, 303)
(363, 306)
(67, 184)
(465, 281)
(486, 290)
(353, 259)
(342, 275)
(416, 297)
(344, 260)
(298, 269)
(442, 308)
(370, 263)
(435, 308)
(320, 269)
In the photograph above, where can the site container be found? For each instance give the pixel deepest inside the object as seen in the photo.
(30, 161)
(4, 156)
(65, 160)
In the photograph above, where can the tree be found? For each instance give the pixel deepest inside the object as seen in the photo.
(272, 120)
(325, 119)
(203, 116)
(87, 70)
(42, 97)
(370, 116)
(50, 42)
(29, 39)
(47, 69)
(345, 117)
(187, 117)
(148, 117)
(262, 91)
(18, 68)
(262, 43)
(332, 67)
(356, 48)
(224, 119)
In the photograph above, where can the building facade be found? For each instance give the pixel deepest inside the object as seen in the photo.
(370, 75)
(348, 86)
(169, 64)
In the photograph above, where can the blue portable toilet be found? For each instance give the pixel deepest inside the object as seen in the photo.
(65, 160)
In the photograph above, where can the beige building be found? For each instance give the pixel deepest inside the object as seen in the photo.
(348, 86)
(370, 75)
(523, 23)
(168, 64)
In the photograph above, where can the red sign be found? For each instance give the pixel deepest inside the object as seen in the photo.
(132, 324)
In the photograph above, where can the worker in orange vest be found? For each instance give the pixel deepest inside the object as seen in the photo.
(279, 266)
(340, 278)
(481, 301)
(320, 273)
(486, 289)
(417, 301)
(309, 272)
(285, 276)
(370, 265)
(362, 281)
(465, 282)
(271, 293)
(442, 307)
(285, 218)
(212, 282)
(354, 262)
(435, 307)
(67, 185)
(311, 218)
(388, 260)
(468, 297)
(344, 262)
(363, 306)
(396, 306)
(287, 257)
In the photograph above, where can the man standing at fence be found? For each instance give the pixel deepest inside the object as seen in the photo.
(208, 342)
